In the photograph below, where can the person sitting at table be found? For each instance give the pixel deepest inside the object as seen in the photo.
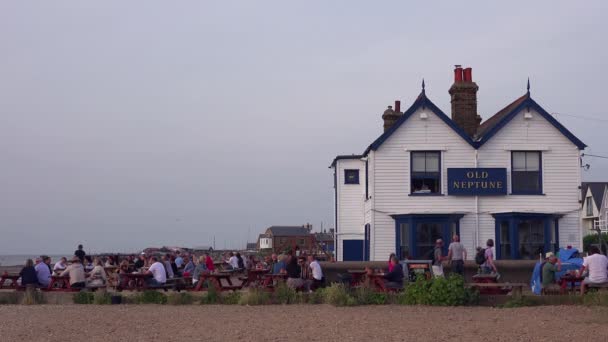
(390, 263)
(97, 276)
(76, 273)
(201, 267)
(140, 262)
(188, 266)
(550, 267)
(174, 268)
(294, 281)
(28, 274)
(88, 263)
(124, 267)
(209, 262)
(179, 261)
(240, 262)
(273, 260)
(109, 262)
(394, 278)
(233, 261)
(43, 271)
(157, 272)
(167, 265)
(318, 280)
(60, 265)
(597, 264)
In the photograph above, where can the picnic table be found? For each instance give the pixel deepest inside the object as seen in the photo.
(570, 279)
(60, 283)
(132, 281)
(375, 280)
(254, 278)
(358, 277)
(9, 281)
(215, 279)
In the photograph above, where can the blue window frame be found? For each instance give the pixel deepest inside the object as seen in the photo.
(526, 173)
(525, 235)
(425, 173)
(415, 234)
(351, 176)
(366, 254)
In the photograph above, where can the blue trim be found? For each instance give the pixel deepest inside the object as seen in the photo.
(354, 172)
(352, 156)
(514, 218)
(426, 195)
(445, 220)
(353, 250)
(421, 101)
(530, 103)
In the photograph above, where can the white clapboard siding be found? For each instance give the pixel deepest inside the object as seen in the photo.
(350, 222)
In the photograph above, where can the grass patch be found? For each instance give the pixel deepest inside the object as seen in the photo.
(438, 291)
(231, 298)
(83, 298)
(597, 298)
(151, 297)
(283, 294)
(212, 296)
(366, 296)
(517, 302)
(102, 298)
(337, 295)
(254, 297)
(180, 298)
(9, 298)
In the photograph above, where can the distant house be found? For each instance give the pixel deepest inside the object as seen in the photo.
(280, 239)
(252, 246)
(325, 240)
(595, 205)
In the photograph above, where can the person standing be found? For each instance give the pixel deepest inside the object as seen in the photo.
(488, 265)
(438, 258)
(43, 271)
(80, 254)
(317, 273)
(457, 254)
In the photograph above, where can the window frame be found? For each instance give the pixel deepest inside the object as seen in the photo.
(439, 174)
(589, 204)
(346, 178)
(540, 175)
(550, 233)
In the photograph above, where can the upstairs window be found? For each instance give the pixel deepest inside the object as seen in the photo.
(589, 205)
(526, 173)
(425, 173)
(351, 176)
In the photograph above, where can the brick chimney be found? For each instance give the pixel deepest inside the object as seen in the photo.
(464, 100)
(391, 116)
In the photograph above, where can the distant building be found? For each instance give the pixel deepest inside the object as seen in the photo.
(325, 240)
(280, 239)
(594, 205)
(251, 246)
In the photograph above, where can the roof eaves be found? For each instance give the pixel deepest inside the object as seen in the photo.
(352, 156)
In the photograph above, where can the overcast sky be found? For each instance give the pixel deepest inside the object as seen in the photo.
(127, 124)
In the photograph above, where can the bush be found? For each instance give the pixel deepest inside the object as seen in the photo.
(593, 239)
(102, 298)
(32, 297)
(337, 295)
(517, 302)
(597, 298)
(283, 294)
(366, 296)
(437, 291)
(254, 297)
(317, 297)
(232, 298)
(151, 297)
(84, 298)
(212, 296)
(181, 298)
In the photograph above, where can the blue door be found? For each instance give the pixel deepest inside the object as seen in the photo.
(352, 250)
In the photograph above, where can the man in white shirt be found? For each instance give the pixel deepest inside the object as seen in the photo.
(158, 273)
(597, 264)
(317, 273)
(233, 261)
(61, 265)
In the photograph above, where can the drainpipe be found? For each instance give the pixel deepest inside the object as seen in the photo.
(476, 207)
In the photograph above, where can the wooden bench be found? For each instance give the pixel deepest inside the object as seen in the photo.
(515, 289)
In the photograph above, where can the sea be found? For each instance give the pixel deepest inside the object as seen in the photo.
(19, 259)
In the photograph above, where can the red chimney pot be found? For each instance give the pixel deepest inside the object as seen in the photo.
(397, 106)
(458, 75)
(468, 75)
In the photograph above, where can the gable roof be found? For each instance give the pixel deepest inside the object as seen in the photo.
(352, 156)
(597, 192)
(497, 121)
(287, 231)
(424, 102)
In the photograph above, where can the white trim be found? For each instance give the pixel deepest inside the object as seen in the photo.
(526, 147)
(425, 148)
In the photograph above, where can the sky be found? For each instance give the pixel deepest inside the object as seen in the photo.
(128, 124)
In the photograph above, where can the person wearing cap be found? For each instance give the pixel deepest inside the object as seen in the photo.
(438, 258)
(76, 273)
(43, 271)
(551, 266)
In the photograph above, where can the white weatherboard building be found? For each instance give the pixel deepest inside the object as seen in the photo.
(514, 178)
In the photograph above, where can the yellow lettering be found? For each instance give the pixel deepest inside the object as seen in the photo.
(499, 185)
(470, 174)
(456, 185)
(492, 185)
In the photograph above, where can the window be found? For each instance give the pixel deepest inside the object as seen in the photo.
(415, 234)
(531, 238)
(505, 240)
(351, 176)
(589, 205)
(425, 173)
(526, 172)
(300, 242)
(426, 235)
(526, 236)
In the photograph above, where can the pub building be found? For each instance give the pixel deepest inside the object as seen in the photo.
(514, 178)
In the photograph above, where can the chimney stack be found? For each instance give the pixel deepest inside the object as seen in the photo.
(464, 100)
(391, 116)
